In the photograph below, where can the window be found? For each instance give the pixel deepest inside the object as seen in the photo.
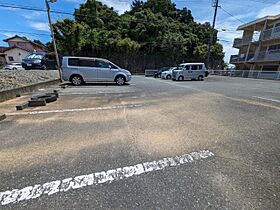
(113, 66)
(21, 44)
(195, 67)
(277, 25)
(73, 62)
(86, 62)
(11, 58)
(274, 49)
(81, 62)
(187, 68)
(101, 64)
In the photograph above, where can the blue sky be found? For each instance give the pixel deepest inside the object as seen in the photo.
(13, 21)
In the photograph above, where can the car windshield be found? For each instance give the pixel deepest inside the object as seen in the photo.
(35, 56)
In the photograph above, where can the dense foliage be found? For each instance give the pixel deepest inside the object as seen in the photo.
(151, 35)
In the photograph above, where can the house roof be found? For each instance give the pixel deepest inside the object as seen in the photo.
(258, 21)
(25, 39)
(2, 49)
(14, 47)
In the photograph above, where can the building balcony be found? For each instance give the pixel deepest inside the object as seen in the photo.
(271, 55)
(238, 42)
(241, 59)
(273, 33)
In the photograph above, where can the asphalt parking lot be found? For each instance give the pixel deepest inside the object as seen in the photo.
(221, 136)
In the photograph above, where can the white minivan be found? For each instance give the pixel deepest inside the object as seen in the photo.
(79, 70)
(190, 71)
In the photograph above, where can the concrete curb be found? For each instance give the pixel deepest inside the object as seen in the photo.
(10, 94)
(2, 117)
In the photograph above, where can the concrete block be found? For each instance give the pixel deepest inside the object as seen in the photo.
(38, 102)
(56, 92)
(22, 106)
(2, 116)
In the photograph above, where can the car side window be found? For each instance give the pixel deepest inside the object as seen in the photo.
(195, 67)
(86, 63)
(200, 67)
(113, 66)
(187, 68)
(101, 64)
(73, 61)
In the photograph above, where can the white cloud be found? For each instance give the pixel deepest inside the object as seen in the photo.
(119, 6)
(8, 34)
(33, 15)
(270, 10)
(41, 26)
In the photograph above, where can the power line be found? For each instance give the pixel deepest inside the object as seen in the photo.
(24, 32)
(231, 15)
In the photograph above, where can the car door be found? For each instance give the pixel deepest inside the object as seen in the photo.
(106, 70)
(88, 69)
(187, 72)
(195, 71)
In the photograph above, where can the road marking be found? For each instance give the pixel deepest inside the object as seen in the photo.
(49, 188)
(76, 110)
(96, 93)
(267, 99)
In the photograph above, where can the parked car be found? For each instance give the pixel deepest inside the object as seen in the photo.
(167, 74)
(159, 72)
(42, 61)
(190, 71)
(79, 70)
(13, 66)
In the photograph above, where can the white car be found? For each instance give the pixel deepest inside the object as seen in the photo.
(190, 71)
(13, 66)
(167, 74)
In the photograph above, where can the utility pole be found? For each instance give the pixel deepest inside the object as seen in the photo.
(53, 39)
(216, 5)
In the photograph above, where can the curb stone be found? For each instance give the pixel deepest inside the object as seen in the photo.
(22, 106)
(38, 102)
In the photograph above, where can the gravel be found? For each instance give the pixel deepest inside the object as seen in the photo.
(19, 78)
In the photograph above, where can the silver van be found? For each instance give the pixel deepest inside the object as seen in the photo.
(190, 71)
(79, 70)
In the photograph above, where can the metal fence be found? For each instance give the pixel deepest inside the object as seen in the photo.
(274, 75)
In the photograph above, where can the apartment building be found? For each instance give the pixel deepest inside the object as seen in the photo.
(259, 47)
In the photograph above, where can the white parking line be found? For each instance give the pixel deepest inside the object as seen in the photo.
(267, 99)
(95, 93)
(75, 110)
(49, 188)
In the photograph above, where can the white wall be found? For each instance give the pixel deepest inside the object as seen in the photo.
(17, 54)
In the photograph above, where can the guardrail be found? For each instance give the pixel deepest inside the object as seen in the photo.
(274, 75)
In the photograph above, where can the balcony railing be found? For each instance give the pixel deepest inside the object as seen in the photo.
(240, 59)
(270, 33)
(241, 41)
(271, 55)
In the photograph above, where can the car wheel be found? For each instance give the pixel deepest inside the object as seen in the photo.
(180, 78)
(44, 67)
(200, 78)
(14, 68)
(120, 80)
(77, 80)
(168, 77)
